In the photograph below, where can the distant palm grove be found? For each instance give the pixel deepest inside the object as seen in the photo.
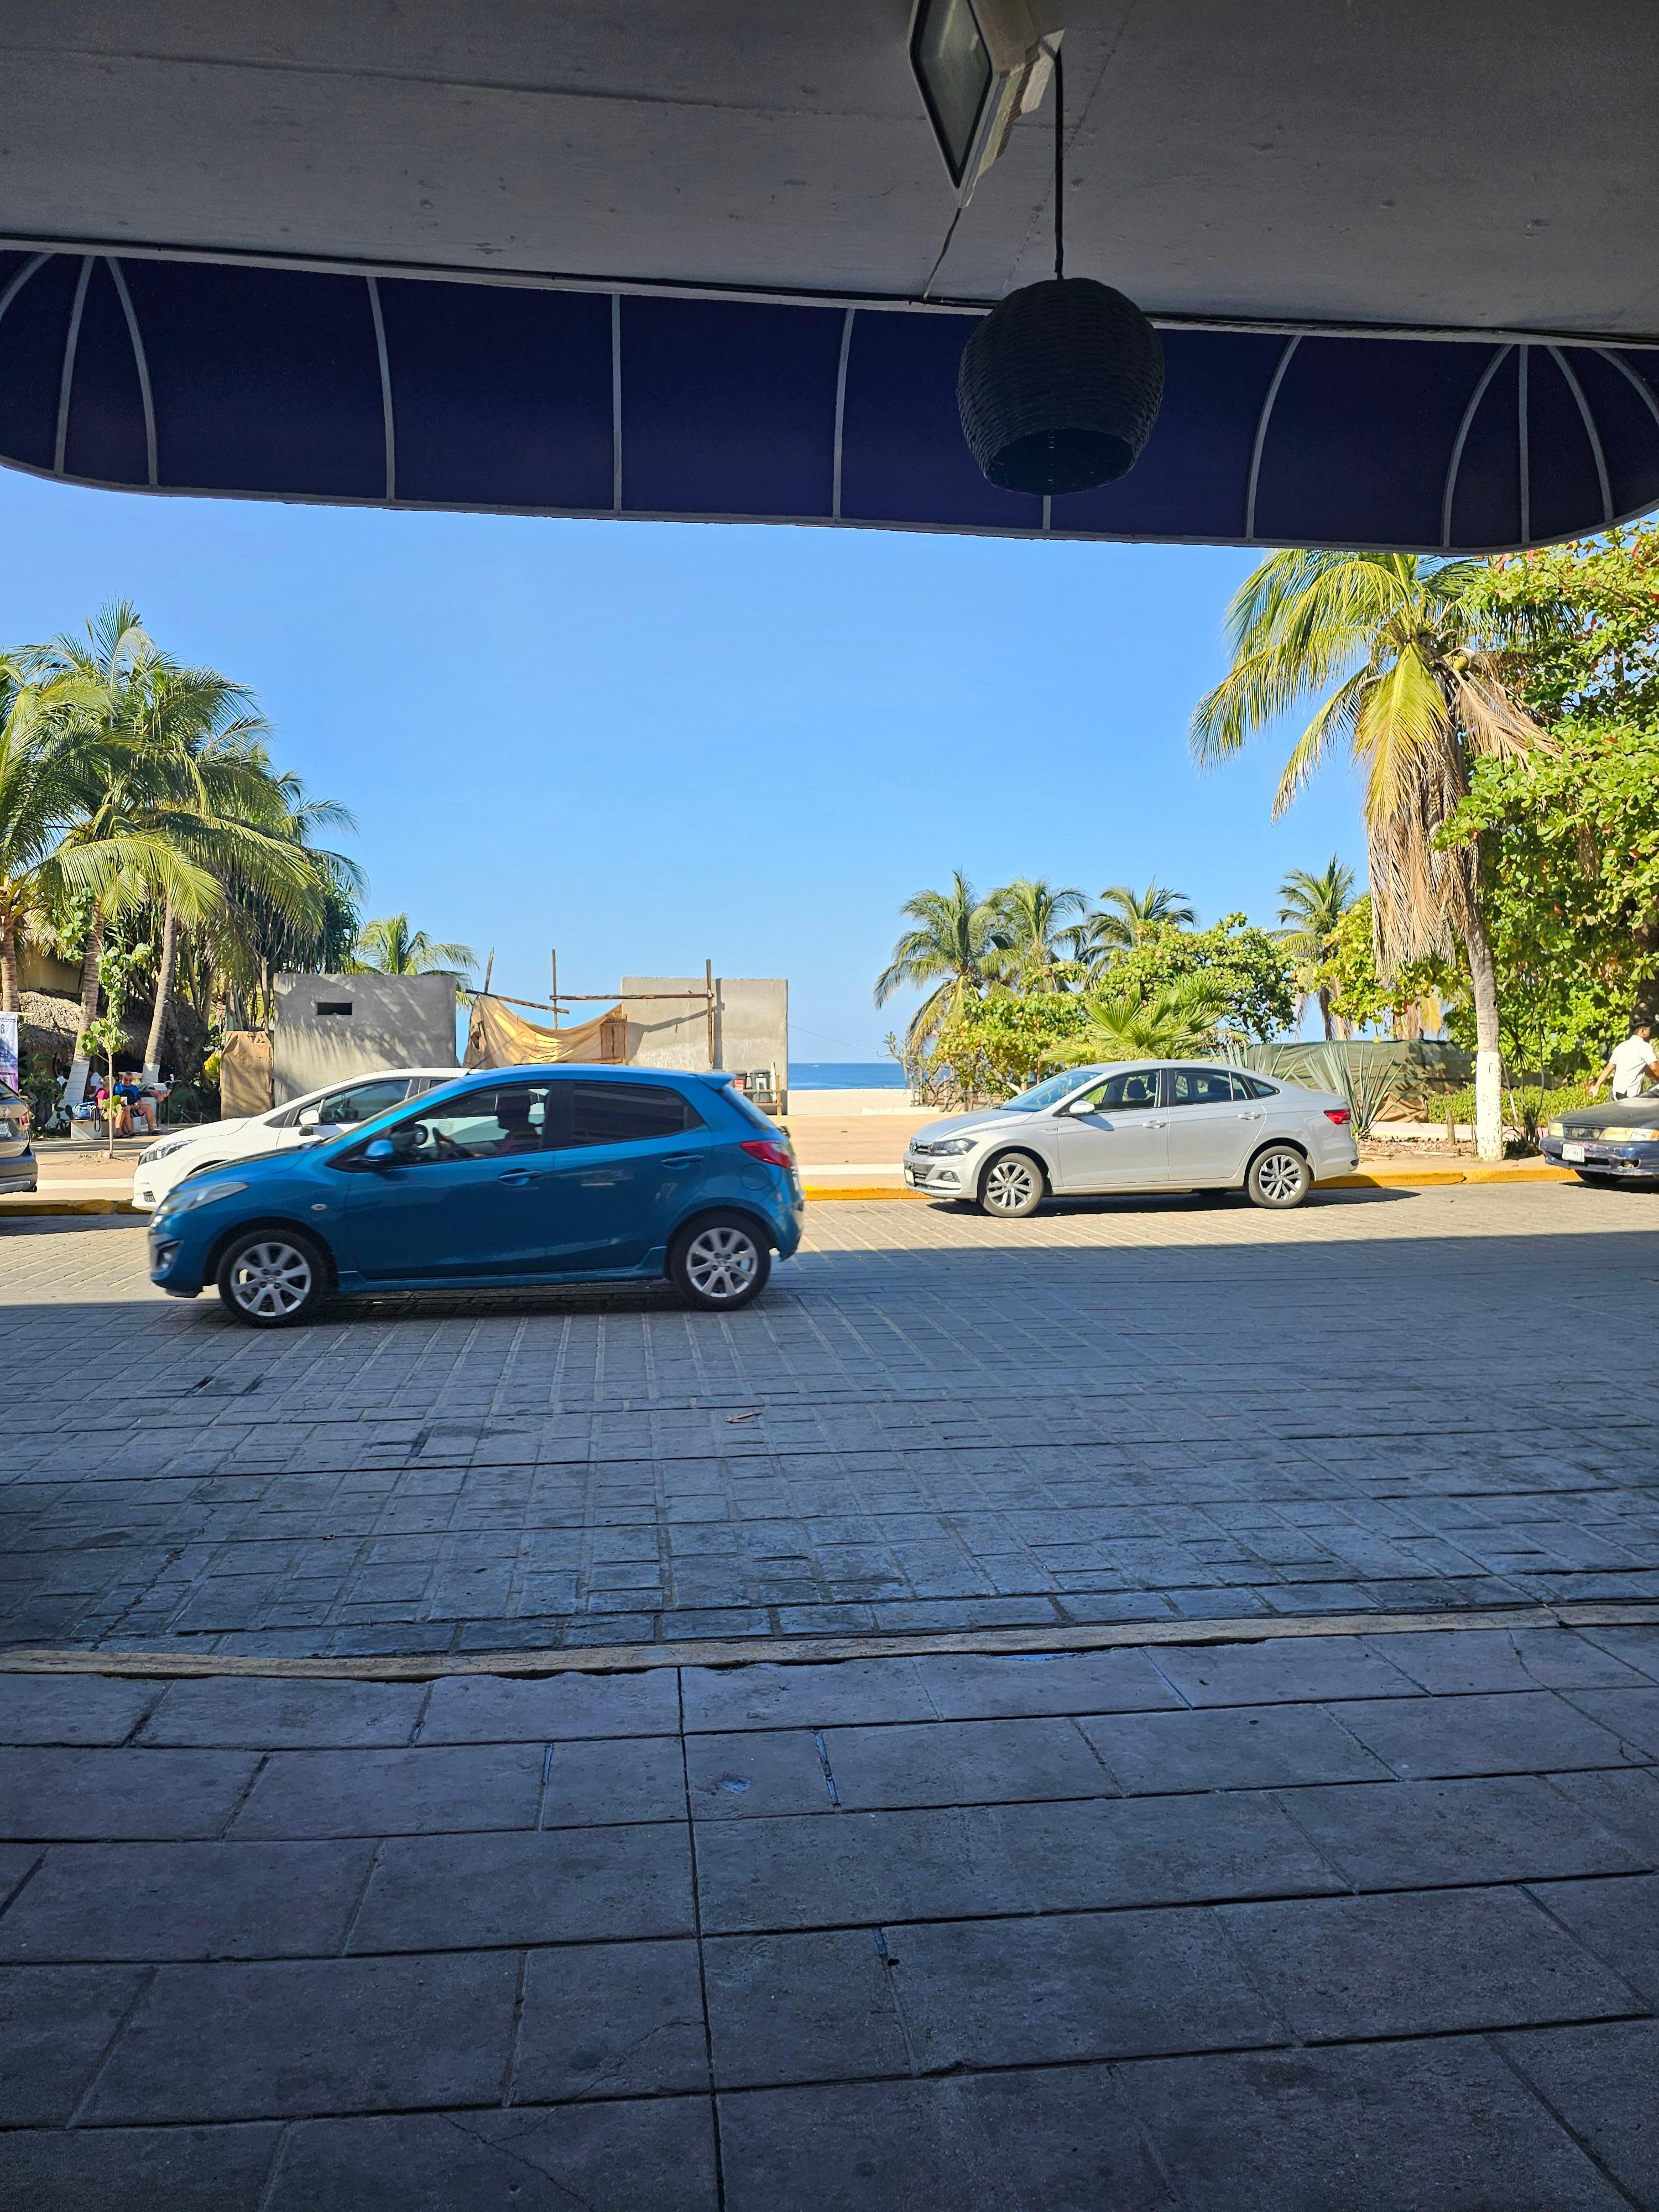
(1503, 716)
(152, 851)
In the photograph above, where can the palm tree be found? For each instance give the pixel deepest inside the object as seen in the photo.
(119, 852)
(955, 945)
(1172, 1024)
(1127, 918)
(223, 805)
(1314, 905)
(1030, 916)
(391, 947)
(1413, 679)
(47, 780)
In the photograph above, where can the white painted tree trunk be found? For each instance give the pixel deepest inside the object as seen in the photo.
(1488, 1055)
(76, 1089)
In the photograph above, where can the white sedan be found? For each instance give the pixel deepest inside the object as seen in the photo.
(302, 1121)
(1141, 1125)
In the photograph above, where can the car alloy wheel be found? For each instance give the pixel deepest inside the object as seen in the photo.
(270, 1279)
(1013, 1186)
(1279, 1177)
(721, 1264)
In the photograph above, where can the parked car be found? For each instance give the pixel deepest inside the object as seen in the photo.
(1615, 1143)
(1141, 1125)
(305, 1121)
(541, 1176)
(17, 1168)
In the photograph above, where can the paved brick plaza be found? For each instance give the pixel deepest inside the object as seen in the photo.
(1368, 1924)
(1362, 1920)
(1143, 1409)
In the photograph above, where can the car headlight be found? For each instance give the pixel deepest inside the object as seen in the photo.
(953, 1145)
(153, 1153)
(1556, 1129)
(202, 1193)
(1633, 1136)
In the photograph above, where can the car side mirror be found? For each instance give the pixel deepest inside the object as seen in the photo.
(1081, 1106)
(310, 1118)
(381, 1152)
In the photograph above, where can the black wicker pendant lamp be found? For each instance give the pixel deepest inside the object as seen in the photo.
(1061, 383)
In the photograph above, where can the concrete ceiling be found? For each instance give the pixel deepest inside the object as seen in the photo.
(1449, 163)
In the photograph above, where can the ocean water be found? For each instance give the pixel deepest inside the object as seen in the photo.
(845, 1075)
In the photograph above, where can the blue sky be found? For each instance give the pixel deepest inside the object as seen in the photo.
(646, 743)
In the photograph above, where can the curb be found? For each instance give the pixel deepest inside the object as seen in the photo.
(1382, 1178)
(33, 1209)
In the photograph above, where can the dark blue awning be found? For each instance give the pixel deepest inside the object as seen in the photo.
(269, 382)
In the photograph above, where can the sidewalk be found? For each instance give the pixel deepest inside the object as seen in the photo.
(1368, 1921)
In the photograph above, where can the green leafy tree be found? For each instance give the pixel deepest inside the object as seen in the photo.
(1568, 834)
(1253, 974)
(1314, 906)
(957, 946)
(990, 1048)
(1408, 657)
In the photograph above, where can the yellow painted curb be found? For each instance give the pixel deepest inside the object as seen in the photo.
(1414, 1178)
(32, 1207)
(818, 1191)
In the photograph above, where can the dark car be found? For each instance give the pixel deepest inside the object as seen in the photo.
(1615, 1143)
(536, 1175)
(17, 1167)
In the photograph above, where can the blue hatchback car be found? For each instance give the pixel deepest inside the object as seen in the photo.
(533, 1176)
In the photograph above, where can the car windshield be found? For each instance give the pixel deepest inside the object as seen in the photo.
(1047, 1094)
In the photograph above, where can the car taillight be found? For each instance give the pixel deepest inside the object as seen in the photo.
(774, 1154)
(1341, 1115)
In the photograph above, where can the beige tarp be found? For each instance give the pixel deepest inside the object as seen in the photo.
(245, 1074)
(498, 1037)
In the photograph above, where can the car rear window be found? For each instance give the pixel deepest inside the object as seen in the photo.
(628, 1113)
(748, 1108)
(1253, 1087)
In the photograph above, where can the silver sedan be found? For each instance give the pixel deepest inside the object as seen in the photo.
(1141, 1125)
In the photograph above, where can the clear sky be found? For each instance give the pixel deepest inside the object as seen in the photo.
(645, 742)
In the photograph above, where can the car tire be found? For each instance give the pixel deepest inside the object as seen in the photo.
(721, 1262)
(273, 1277)
(1279, 1178)
(1012, 1187)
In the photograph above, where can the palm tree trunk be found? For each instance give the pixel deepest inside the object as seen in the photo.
(9, 1002)
(76, 1089)
(1488, 1052)
(163, 990)
(1325, 1011)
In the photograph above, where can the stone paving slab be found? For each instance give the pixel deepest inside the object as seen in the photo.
(809, 1935)
(1130, 1410)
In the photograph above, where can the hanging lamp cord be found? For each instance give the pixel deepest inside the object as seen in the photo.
(1060, 164)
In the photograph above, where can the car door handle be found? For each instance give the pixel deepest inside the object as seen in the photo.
(1249, 1117)
(1154, 1125)
(681, 1160)
(518, 1177)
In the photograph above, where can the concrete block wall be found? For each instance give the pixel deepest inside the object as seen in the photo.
(387, 1021)
(751, 1022)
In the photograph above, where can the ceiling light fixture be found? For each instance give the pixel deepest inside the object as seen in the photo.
(1060, 384)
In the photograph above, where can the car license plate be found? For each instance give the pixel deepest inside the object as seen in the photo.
(1574, 1153)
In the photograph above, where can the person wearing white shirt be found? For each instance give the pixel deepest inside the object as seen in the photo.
(1630, 1065)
